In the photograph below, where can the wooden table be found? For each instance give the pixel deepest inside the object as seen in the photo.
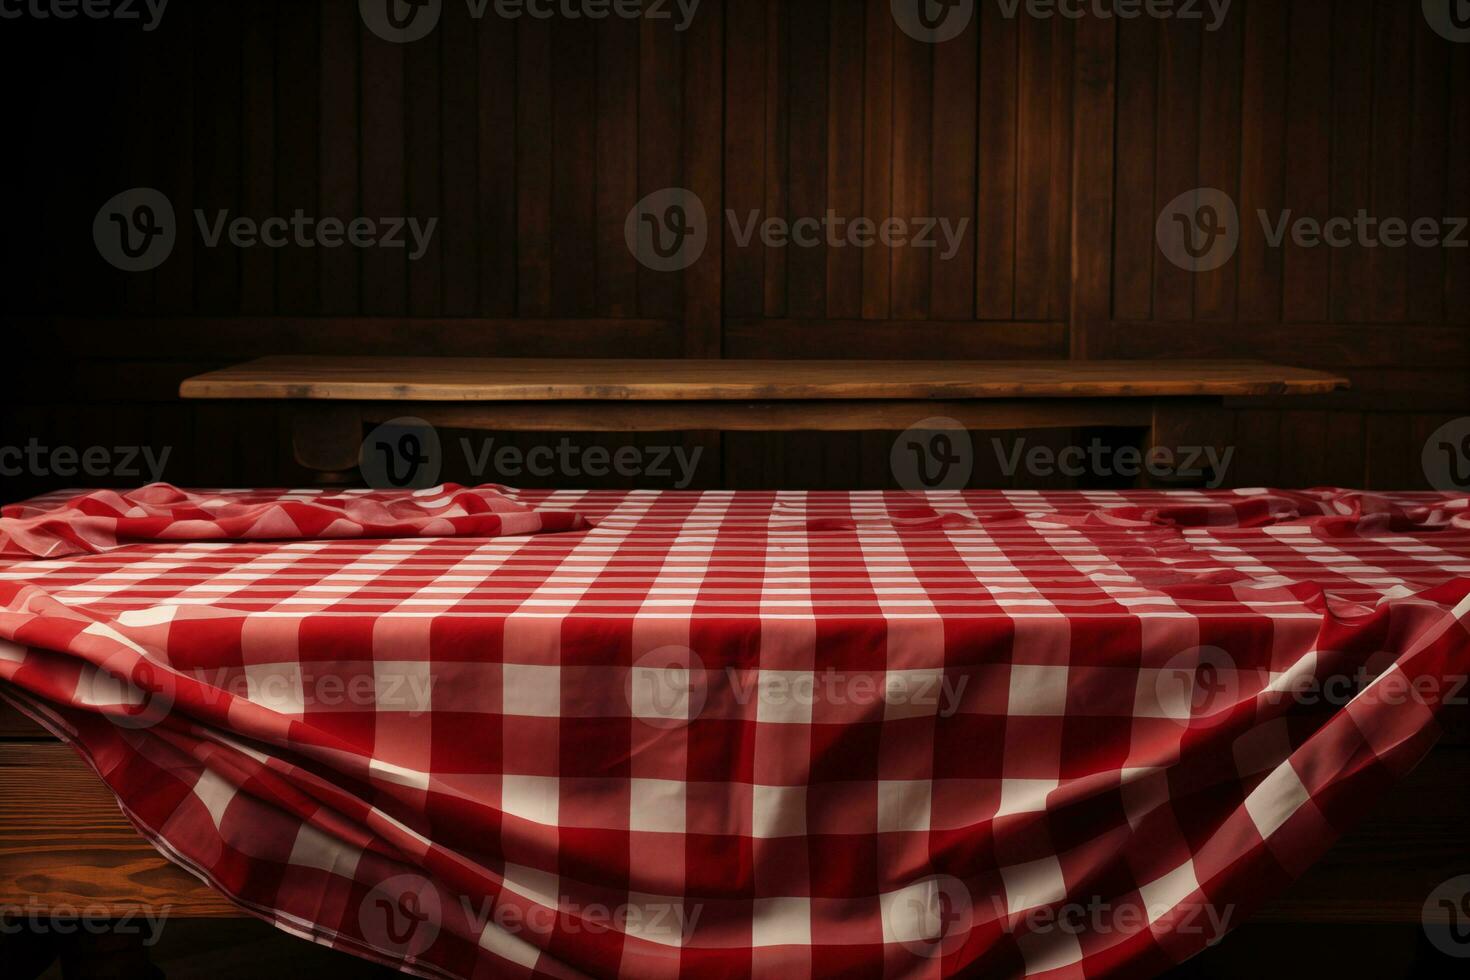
(1176, 402)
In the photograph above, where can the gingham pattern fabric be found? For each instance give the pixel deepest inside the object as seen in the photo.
(1050, 735)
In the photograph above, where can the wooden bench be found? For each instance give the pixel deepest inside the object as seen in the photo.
(1177, 403)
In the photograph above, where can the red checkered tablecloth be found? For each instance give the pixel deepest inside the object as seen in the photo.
(726, 734)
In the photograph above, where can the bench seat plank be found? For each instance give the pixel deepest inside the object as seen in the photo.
(499, 380)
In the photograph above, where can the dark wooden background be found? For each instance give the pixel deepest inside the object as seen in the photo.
(530, 141)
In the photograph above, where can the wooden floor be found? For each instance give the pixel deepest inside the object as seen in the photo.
(249, 950)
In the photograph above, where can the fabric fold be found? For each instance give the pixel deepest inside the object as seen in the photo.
(106, 519)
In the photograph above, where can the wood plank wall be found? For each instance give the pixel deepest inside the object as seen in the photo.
(1059, 142)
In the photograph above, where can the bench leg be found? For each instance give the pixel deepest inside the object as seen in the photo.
(1198, 434)
(326, 438)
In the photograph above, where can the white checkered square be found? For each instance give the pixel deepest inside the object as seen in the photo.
(785, 697)
(1038, 691)
(531, 691)
(657, 805)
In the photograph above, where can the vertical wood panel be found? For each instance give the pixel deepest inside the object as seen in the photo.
(574, 169)
(423, 160)
(498, 100)
(1178, 153)
(1059, 197)
(956, 86)
(995, 228)
(1221, 53)
(1346, 441)
(617, 165)
(339, 148)
(384, 270)
(1428, 161)
(144, 166)
(1263, 157)
(1457, 261)
(807, 264)
(1393, 85)
(1034, 171)
(1304, 441)
(660, 137)
(1257, 449)
(26, 257)
(778, 131)
(878, 153)
(1135, 250)
(1352, 131)
(913, 122)
(460, 125)
(704, 97)
(298, 123)
(1092, 190)
(217, 67)
(175, 113)
(533, 167)
(1392, 459)
(747, 56)
(258, 264)
(845, 156)
(1306, 272)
